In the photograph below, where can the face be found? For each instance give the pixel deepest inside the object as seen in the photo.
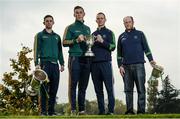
(128, 23)
(79, 14)
(100, 20)
(48, 22)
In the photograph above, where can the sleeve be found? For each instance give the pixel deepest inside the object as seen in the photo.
(36, 49)
(60, 53)
(146, 47)
(67, 38)
(119, 52)
(112, 45)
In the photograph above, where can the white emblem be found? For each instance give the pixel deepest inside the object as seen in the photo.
(77, 31)
(135, 37)
(104, 36)
(44, 36)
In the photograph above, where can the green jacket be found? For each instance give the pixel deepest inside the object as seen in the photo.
(71, 34)
(47, 47)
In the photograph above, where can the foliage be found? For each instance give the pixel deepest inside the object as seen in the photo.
(168, 101)
(13, 98)
(152, 92)
(91, 107)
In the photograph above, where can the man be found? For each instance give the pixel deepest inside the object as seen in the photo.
(79, 66)
(101, 64)
(47, 48)
(132, 45)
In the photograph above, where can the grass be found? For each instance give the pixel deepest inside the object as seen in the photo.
(95, 116)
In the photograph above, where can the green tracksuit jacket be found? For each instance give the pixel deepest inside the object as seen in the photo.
(71, 34)
(47, 47)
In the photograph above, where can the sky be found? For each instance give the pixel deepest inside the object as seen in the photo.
(158, 19)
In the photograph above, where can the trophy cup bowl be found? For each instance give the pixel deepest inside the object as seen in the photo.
(157, 71)
(33, 88)
(89, 42)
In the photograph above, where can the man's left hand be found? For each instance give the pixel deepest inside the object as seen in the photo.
(152, 63)
(62, 68)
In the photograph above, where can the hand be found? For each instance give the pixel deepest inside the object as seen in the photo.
(152, 62)
(122, 71)
(99, 38)
(37, 67)
(62, 68)
(80, 38)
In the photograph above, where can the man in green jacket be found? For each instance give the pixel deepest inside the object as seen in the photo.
(79, 65)
(48, 49)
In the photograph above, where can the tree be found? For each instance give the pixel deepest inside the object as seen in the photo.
(152, 92)
(13, 98)
(168, 101)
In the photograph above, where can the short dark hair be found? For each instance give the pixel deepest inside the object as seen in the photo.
(102, 14)
(129, 17)
(48, 16)
(78, 7)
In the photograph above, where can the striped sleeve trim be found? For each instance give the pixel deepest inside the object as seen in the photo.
(113, 44)
(65, 33)
(35, 48)
(66, 41)
(148, 53)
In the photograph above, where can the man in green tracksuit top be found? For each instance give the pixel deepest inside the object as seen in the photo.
(79, 66)
(47, 48)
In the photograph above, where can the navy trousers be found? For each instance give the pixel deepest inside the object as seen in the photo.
(79, 71)
(102, 73)
(52, 70)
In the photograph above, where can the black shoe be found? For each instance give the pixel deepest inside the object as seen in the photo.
(129, 112)
(101, 113)
(43, 114)
(140, 112)
(82, 113)
(109, 113)
(53, 114)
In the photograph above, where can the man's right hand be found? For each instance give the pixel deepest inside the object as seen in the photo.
(122, 71)
(37, 67)
(80, 38)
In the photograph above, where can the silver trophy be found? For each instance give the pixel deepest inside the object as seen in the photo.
(39, 77)
(89, 42)
(157, 71)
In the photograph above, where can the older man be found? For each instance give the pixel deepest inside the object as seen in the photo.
(132, 45)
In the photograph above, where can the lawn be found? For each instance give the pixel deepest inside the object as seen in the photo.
(95, 116)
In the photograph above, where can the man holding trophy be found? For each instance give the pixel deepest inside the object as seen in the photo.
(78, 65)
(101, 70)
(131, 47)
(47, 48)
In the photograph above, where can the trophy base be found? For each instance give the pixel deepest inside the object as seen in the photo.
(89, 54)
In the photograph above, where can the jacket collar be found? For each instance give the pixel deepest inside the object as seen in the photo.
(79, 22)
(44, 31)
(130, 30)
(101, 28)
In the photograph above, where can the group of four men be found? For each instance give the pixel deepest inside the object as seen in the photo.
(130, 56)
